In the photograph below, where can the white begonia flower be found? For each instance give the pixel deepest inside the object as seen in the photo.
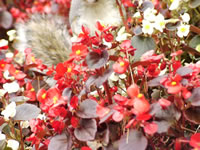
(159, 22)
(185, 17)
(108, 44)
(12, 34)
(94, 93)
(11, 87)
(149, 14)
(122, 35)
(122, 76)
(137, 15)
(174, 5)
(3, 43)
(13, 144)
(7, 75)
(2, 136)
(183, 30)
(147, 27)
(2, 93)
(42, 117)
(9, 111)
(9, 55)
(113, 77)
(24, 124)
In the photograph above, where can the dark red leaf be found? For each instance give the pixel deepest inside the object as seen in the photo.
(95, 60)
(192, 114)
(87, 130)
(59, 142)
(134, 139)
(87, 109)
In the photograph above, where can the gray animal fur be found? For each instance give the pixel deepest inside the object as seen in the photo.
(47, 36)
(88, 12)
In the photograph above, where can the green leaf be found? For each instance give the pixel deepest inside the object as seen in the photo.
(194, 3)
(194, 41)
(142, 45)
(172, 26)
(26, 112)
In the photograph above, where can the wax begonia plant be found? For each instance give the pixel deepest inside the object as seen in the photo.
(133, 87)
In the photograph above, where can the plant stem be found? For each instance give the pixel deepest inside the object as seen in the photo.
(21, 136)
(188, 129)
(122, 16)
(108, 92)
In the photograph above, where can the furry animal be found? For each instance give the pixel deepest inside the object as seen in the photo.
(48, 37)
(88, 12)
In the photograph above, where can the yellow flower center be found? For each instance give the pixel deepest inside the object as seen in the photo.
(173, 83)
(183, 29)
(44, 96)
(69, 69)
(2, 65)
(55, 99)
(32, 89)
(140, 95)
(78, 52)
(17, 71)
(147, 27)
(162, 23)
(33, 59)
(121, 63)
(107, 111)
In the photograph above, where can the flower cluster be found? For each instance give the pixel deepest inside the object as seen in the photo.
(137, 85)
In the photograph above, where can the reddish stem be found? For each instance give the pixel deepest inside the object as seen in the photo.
(21, 137)
(108, 92)
(122, 16)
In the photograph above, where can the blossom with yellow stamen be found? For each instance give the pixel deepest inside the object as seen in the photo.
(147, 27)
(183, 30)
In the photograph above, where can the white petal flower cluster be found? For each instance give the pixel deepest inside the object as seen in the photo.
(24, 124)
(185, 17)
(2, 136)
(174, 5)
(13, 144)
(151, 21)
(9, 111)
(3, 42)
(11, 87)
(122, 35)
(147, 27)
(184, 28)
(159, 22)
